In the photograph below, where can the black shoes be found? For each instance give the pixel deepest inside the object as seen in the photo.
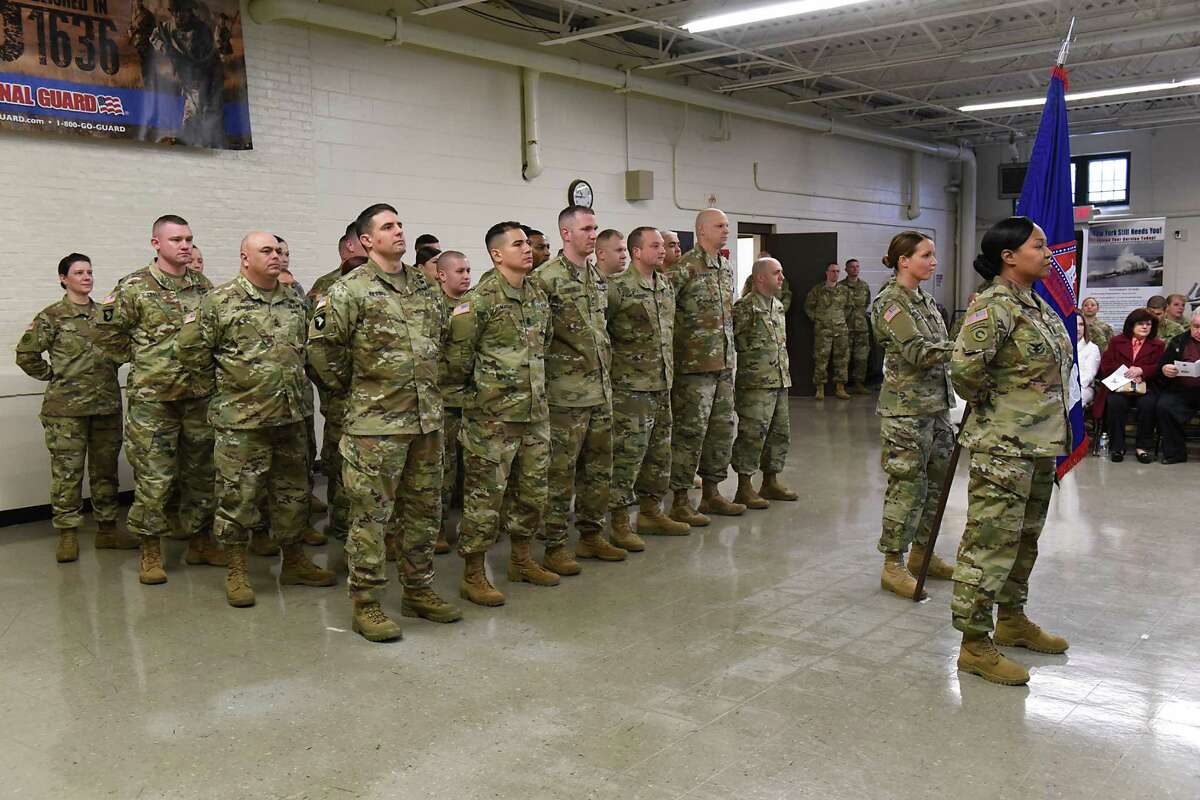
(1145, 458)
(1174, 459)
(1116, 457)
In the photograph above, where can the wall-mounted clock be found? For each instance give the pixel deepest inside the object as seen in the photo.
(580, 193)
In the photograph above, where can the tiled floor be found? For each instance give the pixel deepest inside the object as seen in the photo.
(757, 658)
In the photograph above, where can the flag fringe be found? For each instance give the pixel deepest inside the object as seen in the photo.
(1067, 464)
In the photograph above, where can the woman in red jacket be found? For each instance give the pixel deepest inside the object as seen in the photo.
(1138, 348)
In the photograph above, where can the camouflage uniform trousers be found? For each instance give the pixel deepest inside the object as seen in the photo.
(859, 349)
(331, 465)
(581, 460)
(257, 468)
(641, 446)
(71, 441)
(1007, 500)
(451, 425)
(830, 342)
(391, 481)
(703, 429)
(764, 430)
(505, 465)
(915, 454)
(169, 444)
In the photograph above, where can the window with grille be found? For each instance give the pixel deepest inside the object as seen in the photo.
(1101, 180)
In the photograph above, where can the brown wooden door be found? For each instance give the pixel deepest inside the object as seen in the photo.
(804, 257)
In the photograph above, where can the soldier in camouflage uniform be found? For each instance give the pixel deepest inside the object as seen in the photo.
(785, 291)
(1012, 364)
(1098, 331)
(702, 394)
(641, 316)
(761, 388)
(454, 277)
(914, 402)
(248, 336)
(375, 339)
(496, 348)
(1172, 322)
(858, 327)
(168, 439)
(81, 410)
(828, 306)
(579, 390)
(674, 251)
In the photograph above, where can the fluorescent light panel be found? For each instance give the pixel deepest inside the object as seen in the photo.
(764, 13)
(1072, 96)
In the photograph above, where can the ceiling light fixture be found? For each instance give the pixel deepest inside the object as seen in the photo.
(1074, 96)
(764, 13)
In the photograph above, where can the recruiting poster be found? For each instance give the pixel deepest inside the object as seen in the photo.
(169, 71)
(1124, 266)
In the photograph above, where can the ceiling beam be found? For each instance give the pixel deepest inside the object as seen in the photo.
(447, 6)
(592, 32)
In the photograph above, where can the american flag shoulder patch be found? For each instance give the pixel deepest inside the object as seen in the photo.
(892, 311)
(191, 317)
(323, 301)
(978, 316)
(108, 299)
(461, 308)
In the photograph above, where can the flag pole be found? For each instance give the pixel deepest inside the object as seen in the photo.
(1066, 45)
(936, 525)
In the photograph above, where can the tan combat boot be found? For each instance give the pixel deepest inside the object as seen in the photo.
(840, 390)
(593, 545)
(317, 505)
(261, 544)
(651, 521)
(937, 567)
(897, 579)
(238, 591)
(110, 537)
(623, 536)
(682, 511)
(475, 585)
(711, 502)
(424, 602)
(978, 655)
(150, 570)
(746, 495)
(313, 537)
(820, 395)
(442, 546)
(859, 388)
(297, 570)
(1014, 629)
(372, 624)
(522, 567)
(561, 561)
(203, 549)
(391, 544)
(772, 489)
(68, 545)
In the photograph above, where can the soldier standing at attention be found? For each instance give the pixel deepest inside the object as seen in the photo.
(761, 390)
(702, 394)
(454, 276)
(496, 347)
(858, 327)
(375, 338)
(426, 262)
(1012, 363)
(674, 251)
(168, 439)
(81, 410)
(1098, 330)
(641, 318)
(248, 336)
(611, 253)
(828, 306)
(785, 291)
(541, 247)
(579, 391)
(914, 402)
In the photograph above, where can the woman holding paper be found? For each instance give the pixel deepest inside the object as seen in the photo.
(1012, 362)
(1133, 354)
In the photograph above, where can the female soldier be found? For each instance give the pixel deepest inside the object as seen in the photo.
(1012, 364)
(81, 410)
(914, 402)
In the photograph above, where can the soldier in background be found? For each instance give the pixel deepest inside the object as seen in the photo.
(1172, 322)
(1098, 330)
(674, 251)
(248, 336)
(611, 253)
(858, 327)
(828, 306)
(197, 260)
(81, 410)
(539, 244)
(785, 291)
(761, 388)
(427, 240)
(454, 276)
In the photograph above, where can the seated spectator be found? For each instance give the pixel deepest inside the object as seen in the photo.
(1089, 362)
(1139, 350)
(1099, 331)
(1180, 397)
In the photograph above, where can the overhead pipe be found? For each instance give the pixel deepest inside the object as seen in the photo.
(530, 80)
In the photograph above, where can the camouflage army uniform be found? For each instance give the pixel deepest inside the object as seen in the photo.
(251, 341)
(702, 394)
(1168, 328)
(762, 382)
(785, 293)
(641, 316)
(829, 309)
(914, 402)
(579, 391)
(81, 409)
(496, 348)
(168, 439)
(375, 339)
(1012, 363)
(858, 328)
(1099, 332)
(333, 409)
(453, 395)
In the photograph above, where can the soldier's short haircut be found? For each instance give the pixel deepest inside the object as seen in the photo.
(448, 256)
(607, 235)
(850, 261)
(167, 219)
(568, 214)
(533, 231)
(363, 223)
(1156, 302)
(426, 240)
(498, 230)
(634, 239)
(64, 266)
(1171, 298)
(761, 265)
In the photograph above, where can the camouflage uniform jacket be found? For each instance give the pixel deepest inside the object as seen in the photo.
(453, 391)
(760, 333)
(785, 293)
(499, 335)
(1168, 328)
(578, 363)
(1012, 363)
(1098, 332)
(143, 317)
(641, 315)
(82, 380)
(321, 286)
(306, 392)
(252, 341)
(859, 293)
(829, 307)
(704, 288)
(333, 406)
(916, 352)
(376, 338)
